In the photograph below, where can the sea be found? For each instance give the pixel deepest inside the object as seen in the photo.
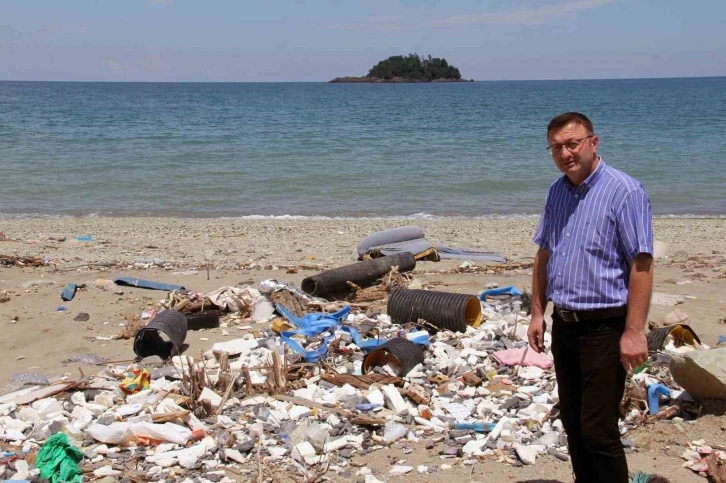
(323, 150)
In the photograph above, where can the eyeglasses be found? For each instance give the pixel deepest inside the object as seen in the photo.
(572, 146)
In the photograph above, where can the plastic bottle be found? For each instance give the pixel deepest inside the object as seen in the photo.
(479, 427)
(394, 432)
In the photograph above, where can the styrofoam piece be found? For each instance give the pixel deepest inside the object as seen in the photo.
(212, 397)
(394, 401)
(236, 347)
(302, 450)
(375, 396)
(335, 445)
(400, 470)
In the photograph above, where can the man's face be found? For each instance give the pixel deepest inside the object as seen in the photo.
(574, 150)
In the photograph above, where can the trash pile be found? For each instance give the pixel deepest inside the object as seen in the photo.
(322, 380)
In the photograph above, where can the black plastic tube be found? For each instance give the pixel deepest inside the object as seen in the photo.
(400, 354)
(148, 341)
(363, 274)
(209, 319)
(443, 310)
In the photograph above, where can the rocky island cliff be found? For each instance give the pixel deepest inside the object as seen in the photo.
(408, 69)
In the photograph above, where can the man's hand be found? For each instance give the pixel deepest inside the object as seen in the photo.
(633, 348)
(536, 332)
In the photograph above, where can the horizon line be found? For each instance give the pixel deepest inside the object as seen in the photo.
(327, 82)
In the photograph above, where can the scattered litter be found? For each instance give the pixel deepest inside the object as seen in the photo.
(411, 239)
(327, 380)
(58, 460)
(69, 292)
(148, 340)
(135, 381)
(673, 336)
(31, 378)
(443, 310)
(361, 274)
(401, 355)
(90, 359)
(149, 284)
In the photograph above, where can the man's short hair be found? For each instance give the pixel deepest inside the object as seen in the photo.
(558, 122)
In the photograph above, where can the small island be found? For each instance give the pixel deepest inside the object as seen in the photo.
(406, 69)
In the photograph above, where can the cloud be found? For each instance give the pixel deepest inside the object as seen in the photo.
(118, 67)
(77, 31)
(377, 23)
(152, 63)
(522, 17)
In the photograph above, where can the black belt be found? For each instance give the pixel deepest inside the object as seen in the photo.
(590, 315)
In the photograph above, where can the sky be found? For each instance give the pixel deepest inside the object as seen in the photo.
(316, 40)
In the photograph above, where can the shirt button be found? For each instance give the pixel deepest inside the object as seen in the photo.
(567, 234)
(577, 196)
(563, 254)
(559, 274)
(557, 292)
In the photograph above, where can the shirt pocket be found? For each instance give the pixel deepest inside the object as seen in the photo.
(599, 237)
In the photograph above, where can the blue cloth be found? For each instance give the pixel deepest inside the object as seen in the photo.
(593, 232)
(653, 391)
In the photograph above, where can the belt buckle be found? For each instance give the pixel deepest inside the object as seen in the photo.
(569, 315)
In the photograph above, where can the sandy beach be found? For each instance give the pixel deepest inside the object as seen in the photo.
(39, 338)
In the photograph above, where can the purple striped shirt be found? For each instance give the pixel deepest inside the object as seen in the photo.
(593, 232)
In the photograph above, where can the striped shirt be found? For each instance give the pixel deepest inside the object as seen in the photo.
(593, 232)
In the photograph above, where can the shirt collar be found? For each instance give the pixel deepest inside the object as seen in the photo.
(590, 180)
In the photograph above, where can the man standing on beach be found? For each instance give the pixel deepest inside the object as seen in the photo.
(595, 263)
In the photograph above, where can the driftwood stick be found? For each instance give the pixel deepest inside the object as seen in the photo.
(248, 381)
(277, 370)
(228, 392)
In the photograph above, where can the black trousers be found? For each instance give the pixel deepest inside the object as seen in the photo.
(591, 381)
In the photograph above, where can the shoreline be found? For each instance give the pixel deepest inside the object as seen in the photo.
(288, 241)
(365, 217)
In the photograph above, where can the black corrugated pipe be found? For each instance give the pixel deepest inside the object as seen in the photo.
(363, 274)
(209, 319)
(148, 340)
(400, 354)
(443, 310)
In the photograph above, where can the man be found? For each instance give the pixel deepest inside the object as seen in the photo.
(595, 263)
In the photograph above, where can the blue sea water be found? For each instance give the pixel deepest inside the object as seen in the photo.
(346, 150)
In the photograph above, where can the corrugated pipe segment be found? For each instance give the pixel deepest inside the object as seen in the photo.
(443, 310)
(362, 274)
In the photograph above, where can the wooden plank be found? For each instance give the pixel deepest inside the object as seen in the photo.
(361, 382)
(311, 404)
(42, 393)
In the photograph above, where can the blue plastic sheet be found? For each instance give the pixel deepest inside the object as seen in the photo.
(316, 323)
(150, 284)
(313, 319)
(496, 292)
(367, 407)
(365, 345)
(311, 325)
(69, 292)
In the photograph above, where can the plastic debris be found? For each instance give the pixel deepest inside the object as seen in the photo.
(58, 460)
(476, 393)
(135, 381)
